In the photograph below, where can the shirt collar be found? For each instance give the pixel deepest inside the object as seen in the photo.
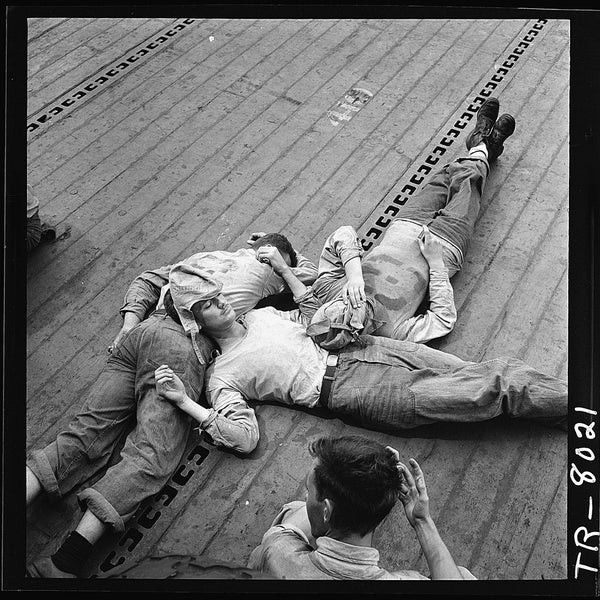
(340, 558)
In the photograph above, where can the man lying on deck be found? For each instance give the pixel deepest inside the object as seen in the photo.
(352, 486)
(380, 295)
(392, 385)
(124, 394)
(246, 279)
(395, 275)
(395, 272)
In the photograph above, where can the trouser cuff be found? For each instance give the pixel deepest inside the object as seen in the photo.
(485, 161)
(94, 501)
(40, 466)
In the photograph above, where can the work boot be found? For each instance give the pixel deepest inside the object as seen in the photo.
(44, 568)
(486, 117)
(504, 127)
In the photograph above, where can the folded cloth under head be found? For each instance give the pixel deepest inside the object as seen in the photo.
(189, 285)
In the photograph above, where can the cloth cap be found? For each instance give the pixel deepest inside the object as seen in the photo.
(189, 285)
(335, 324)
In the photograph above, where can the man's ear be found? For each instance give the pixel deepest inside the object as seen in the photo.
(327, 510)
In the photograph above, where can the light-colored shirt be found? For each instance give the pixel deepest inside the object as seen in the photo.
(285, 553)
(438, 320)
(245, 280)
(397, 278)
(275, 361)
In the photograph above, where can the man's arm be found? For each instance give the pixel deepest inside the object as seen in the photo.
(144, 291)
(305, 270)
(440, 318)
(303, 295)
(233, 425)
(415, 500)
(342, 249)
(141, 297)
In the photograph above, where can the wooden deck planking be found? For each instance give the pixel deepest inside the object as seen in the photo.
(95, 45)
(351, 192)
(261, 155)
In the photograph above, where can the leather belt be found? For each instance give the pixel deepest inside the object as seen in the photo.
(332, 361)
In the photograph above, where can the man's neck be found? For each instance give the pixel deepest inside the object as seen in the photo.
(356, 539)
(230, 336)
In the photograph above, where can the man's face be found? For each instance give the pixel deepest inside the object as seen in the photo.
(215, 314)
(314, 507)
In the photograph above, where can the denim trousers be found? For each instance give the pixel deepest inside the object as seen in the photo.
(394, 385)
(450, 201)
(124, 401)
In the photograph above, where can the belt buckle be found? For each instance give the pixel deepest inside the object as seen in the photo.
(332, 360)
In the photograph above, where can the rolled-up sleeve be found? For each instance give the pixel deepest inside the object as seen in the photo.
(231, 423)
(305, 270)
(343, 244)
(144, 292)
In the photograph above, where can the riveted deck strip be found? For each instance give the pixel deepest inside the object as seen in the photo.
(94, 84)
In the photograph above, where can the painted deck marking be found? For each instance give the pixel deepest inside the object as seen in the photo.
(107, 75)
(345, 109)
(412, 182)
(149, 513)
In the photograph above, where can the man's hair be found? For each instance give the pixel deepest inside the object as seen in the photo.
(170, 307)
(280, 242)
(172, 311)
(360, 476)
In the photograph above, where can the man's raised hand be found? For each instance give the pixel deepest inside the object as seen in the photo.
(255, 236)
(271, 256)
(413, 493)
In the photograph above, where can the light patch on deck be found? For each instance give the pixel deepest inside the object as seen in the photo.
(503, 71)
(345, 109)
(107, 75)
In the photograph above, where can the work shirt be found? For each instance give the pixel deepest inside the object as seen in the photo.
(245, 280)
(275, 361)
(397, 278)
(285, 553)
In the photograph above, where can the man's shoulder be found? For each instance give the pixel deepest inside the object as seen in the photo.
(284, 553)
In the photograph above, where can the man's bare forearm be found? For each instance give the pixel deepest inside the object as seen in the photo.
(440, 561)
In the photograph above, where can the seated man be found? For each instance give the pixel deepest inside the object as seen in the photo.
(246, 279)
(352, 486)
(387, 384)
(125, 393)
(396, 275)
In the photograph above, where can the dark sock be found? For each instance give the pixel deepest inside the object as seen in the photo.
(73, 553)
